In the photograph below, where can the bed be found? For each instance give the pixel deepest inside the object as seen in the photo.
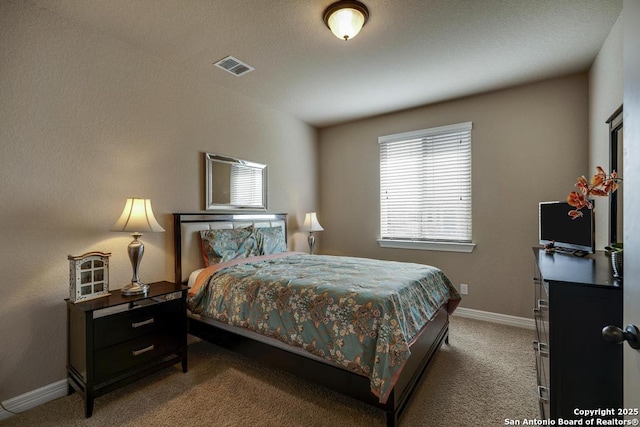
(318, 317)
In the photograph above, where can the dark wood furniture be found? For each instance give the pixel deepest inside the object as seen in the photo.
(118, 339)
(616, 142)
(575, 299)
(423, 349)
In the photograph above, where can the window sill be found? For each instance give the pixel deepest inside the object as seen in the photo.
(427, 246)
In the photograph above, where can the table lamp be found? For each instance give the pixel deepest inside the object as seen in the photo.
(311, 225)
(137, 217)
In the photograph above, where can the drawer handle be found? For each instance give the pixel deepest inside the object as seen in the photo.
(543, 390)
(144, 322)
(143, 350)
(542, 348)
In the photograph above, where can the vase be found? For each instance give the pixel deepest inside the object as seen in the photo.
(616, 264)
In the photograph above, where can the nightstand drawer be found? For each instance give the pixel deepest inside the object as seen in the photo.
(137, 322)
(130, 354)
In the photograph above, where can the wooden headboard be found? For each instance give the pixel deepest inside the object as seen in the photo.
(186, 234)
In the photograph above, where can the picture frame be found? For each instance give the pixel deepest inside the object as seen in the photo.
(88, 276)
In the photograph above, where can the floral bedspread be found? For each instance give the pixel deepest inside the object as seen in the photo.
(359, 313)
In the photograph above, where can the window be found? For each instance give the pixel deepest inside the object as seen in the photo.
(425, 189)
(246, 185)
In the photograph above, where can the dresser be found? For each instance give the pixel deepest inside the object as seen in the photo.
(574, 299)
(117, 339)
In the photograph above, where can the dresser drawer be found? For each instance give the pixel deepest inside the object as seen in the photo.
(541, 346)
(542, 363)
(136, 322)
(541, 317)
(121, 357)
(544, 401)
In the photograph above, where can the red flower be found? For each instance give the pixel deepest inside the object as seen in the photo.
(601, 185)
(577, 200)
(583, 185)
(575, 214)
(612, 184)
(599, 178)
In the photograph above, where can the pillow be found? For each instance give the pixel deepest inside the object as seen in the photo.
(225, 245)
(271, 240)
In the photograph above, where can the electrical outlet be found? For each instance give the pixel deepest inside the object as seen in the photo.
(464, 289)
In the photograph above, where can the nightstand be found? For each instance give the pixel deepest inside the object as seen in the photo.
(117, 339)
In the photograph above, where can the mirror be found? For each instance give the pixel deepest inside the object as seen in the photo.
(232, 183)
(615, 164)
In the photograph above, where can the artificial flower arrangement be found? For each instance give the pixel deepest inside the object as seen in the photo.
(600, 185)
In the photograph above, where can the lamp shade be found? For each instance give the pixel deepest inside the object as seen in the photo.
(311, 223)
(346, 18)
(137, 216)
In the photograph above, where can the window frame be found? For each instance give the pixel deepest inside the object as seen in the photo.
(449, 245)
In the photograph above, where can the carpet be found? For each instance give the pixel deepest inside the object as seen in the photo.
(485, 375)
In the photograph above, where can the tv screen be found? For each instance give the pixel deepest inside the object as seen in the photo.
(555, 225)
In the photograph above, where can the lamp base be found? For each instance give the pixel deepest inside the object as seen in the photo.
(135, 288)
(312, 242)
(136, 250)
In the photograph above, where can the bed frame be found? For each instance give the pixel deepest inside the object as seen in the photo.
(336, 378)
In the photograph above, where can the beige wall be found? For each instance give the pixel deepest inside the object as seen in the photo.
(605, 96)
(86, 121)
(528, 143)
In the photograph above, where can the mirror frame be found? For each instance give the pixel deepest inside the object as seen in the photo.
(211, 160)
(615, 129)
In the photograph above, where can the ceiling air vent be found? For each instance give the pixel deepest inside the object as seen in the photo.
(234, 66)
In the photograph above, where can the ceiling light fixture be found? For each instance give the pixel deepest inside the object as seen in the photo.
(346, 18)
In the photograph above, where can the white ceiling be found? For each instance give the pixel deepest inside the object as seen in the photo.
(410, 53)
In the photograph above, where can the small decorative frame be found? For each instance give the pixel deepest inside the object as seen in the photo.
(88, 276)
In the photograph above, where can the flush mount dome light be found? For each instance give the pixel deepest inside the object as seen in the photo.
(346, 18)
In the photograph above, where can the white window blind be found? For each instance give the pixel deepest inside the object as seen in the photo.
(246, 186)
(425, 185)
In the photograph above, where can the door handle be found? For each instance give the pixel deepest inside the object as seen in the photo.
(616, 335)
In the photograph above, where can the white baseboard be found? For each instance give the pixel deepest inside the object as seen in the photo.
(503, 319)
(33, 398)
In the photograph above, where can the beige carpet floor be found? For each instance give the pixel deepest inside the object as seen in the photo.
(485, 375)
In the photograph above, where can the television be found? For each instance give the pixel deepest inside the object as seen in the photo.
(575, 236)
